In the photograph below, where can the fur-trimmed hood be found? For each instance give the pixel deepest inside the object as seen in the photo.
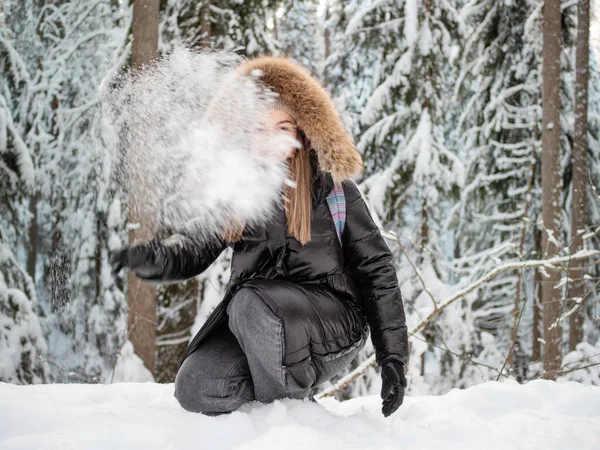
(315, 113)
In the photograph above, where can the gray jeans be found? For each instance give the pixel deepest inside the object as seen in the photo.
(242, 362)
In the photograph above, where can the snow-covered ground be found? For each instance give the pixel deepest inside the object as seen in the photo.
(539, 415)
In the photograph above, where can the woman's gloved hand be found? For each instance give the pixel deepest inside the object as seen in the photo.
(393, 386)
(119, 259)
(148, 261)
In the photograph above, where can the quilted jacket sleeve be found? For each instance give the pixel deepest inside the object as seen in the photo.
(370, 260)
(182, 256)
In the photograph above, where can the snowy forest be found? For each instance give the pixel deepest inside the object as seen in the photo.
(479, 125)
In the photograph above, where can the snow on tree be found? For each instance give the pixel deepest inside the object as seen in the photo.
(391, 67)
(591, 325)
(300, 35)
(498, 218)
(589, 347)
(219, 24)
(351, 58)
(410, 173)
(87, 221)
(579, 166)
(70, 49)
(22, 343)
(500, 124)
(16, 162)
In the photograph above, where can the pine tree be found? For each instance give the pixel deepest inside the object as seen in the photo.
(582, 310)
(500, 125)
(579, 161)
(219, 24)
(551, 186)
(350, 60)
(591, 308)
(498, 219)
(22, 343)
(69, 49)
(410, 173)
(300, 36)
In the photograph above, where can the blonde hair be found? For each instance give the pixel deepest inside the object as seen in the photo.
(297, 198)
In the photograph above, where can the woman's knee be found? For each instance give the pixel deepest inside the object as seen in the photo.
(188, 388)
(199, 388)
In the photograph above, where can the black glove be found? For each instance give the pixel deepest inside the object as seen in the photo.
(119, 259)
(148, 261)
(393, 386)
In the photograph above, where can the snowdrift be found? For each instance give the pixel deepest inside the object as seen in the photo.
(541, 414)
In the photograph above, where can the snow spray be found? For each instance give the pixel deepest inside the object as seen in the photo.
(186, 138)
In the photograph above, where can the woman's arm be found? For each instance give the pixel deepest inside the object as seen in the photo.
(176, 258)
(370, 260)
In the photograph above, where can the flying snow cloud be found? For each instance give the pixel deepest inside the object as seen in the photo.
(187, 139)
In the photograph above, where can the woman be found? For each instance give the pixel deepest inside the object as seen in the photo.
(306, 288)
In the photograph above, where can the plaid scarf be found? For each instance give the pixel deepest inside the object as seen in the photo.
(337, 205)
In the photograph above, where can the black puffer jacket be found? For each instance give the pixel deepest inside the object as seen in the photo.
(359, 273)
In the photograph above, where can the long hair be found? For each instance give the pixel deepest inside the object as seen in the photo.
(297, 198)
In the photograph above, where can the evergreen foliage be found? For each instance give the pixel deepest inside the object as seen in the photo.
(241, 26)
(443, 98)
(301, 36)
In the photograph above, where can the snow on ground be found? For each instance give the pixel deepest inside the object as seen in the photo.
(541, 414)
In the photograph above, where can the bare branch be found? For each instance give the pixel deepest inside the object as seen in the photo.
(392, 236)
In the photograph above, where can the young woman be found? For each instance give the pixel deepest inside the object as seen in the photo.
(306, 288)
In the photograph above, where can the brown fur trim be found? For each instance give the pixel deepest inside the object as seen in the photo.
(315, 113)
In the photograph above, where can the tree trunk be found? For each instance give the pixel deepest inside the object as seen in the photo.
(33, 235)
(579, 162)
(536, 354)
(205, 25)
(551, 184)
(424, 227)
(142, 296)
(145, 32)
